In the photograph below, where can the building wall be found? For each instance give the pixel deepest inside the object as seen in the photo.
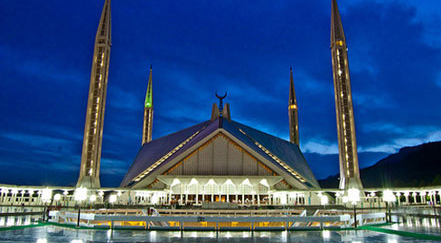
(220, 156)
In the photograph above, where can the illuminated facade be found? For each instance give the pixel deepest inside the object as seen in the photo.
(93, 130)
(293, 112)
(220, 148)
(148, 112)
(349, 171)
(221, 160)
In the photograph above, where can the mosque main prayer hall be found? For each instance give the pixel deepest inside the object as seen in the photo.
(219, 160)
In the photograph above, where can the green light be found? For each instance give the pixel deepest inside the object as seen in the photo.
(149, 95)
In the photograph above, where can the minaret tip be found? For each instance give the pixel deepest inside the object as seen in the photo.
(148, 112)
(337, 33)
(293, 112)
(290, 68)
(151, 66)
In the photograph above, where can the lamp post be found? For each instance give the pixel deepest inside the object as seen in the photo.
(354, 197)
(388, 196)
(112, 199)
(57, 198)
(92, 200)
(80, 195)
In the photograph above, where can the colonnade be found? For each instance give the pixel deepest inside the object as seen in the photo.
(185, 195)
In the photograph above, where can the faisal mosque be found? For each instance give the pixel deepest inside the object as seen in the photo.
(217, 171)
(219, 159)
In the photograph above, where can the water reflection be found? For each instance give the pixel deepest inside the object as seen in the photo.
(326, 234)
(77, 241)
(418, 224)
(59, 234)
(12, 216)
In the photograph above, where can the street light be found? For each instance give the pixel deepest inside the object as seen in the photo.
(112, 199)
(354, 197)
(46, 195)
(57, 198)
(388, 196)
(80, 195)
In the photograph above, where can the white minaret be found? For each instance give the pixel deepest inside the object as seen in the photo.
(93, 130)
(349, 171)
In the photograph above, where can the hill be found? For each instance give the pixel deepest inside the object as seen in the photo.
(410, 167)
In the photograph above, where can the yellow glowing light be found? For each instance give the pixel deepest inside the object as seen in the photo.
(80, 194)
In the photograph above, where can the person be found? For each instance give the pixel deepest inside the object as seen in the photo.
(48, 209)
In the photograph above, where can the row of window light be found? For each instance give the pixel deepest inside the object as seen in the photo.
(165, 157)
(19, 191)
(80, 194)
(226, 186)
(388, 195)
(407, 193)
(283, 164)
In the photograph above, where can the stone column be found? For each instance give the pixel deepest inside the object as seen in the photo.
(398, 195)
(22, 199)
(406, 195)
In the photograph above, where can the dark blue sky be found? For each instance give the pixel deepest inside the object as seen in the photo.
(198, 47)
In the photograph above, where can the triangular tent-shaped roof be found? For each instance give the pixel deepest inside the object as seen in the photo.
(156, 154)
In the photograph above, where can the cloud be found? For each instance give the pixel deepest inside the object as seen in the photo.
(320, 148)
(396, 144)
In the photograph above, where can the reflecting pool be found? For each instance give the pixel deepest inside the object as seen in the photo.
(47, 234)
(50, 233)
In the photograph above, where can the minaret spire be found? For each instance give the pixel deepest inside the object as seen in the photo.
(337, 33)
(349, 170)
(293, 112)
(93, 129)
(148, 112)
